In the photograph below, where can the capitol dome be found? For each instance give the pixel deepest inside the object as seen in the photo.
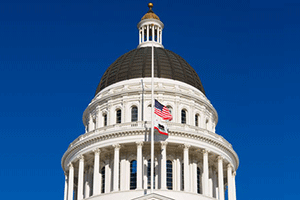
(137, 64)
(120, 156)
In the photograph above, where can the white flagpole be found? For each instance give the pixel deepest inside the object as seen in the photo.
(152, 118)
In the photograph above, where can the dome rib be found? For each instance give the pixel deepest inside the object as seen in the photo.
(137, 64)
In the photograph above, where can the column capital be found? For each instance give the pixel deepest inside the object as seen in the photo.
(229, 166)
(205, 151)
(116, 146)
(186, 146)
(163, 144)
(70, 165)
(139, 143)
(220, 158)
(98, 150)
(234, 173)
(80, 157)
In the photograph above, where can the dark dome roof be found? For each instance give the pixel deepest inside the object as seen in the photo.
(137, 64)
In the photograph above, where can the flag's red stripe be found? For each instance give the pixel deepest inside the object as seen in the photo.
(160, 131)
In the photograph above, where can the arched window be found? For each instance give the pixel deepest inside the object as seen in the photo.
(134, 114)
(196, 120)
(170, 109)
(133, 174)
(105, 119)
(118, 116)
(169, 175)
(198, 180)
(149, 174)
(183, 116)
(103, 180)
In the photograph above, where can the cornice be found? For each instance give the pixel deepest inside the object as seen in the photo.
(121, 133)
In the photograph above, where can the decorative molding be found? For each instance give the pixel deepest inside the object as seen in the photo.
(139, 143)
(80, 158)
(116, 146)
(163, 144)
(70, 165)
(186, 146)
(97, 151)
(80, 144)
(220, 158)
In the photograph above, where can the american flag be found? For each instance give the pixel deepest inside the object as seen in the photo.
(162, 111)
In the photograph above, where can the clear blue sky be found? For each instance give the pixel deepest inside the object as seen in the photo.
(53, 54)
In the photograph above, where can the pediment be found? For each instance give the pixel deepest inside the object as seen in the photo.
(153, 196)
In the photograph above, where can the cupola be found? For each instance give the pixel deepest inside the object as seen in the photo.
(150, 29)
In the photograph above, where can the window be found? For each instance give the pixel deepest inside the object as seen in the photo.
(105, 120)
(134, 114)
(118, 117)
(198, 180)
(149, 174)
(169, 175)
(103, 180)
(196, 120)
(133, 175)
(183, 116)
(170, 109)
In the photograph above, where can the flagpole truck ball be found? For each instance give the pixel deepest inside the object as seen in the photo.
(111, 159)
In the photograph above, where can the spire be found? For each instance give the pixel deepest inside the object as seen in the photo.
(150, 29)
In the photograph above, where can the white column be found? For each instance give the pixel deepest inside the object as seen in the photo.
(205, 173)
(66, 187)
(140, 36)
(156, 173)
(210, 183)
(116, 167)
(152, 33)
(229, 181)
(107, 176)
(220, 178)
(160, 36)
(143, 36)
(145, 173)
(139, 167)
(178, 175)
(80, 178)
(99, 117)
(234, 186)
(186, 167)
(91, 123)
(87, 186)
(71, 182)
(123, 174)
(194, 177)
(174, 168)
(163, 165)
(147, 32)
(97, 176)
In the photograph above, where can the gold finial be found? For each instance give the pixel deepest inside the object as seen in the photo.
(150, 5)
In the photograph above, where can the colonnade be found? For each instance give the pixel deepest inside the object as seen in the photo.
(145, 35)
(91, 183)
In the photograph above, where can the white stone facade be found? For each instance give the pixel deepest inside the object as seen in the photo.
(110, 160)
(114, 145)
